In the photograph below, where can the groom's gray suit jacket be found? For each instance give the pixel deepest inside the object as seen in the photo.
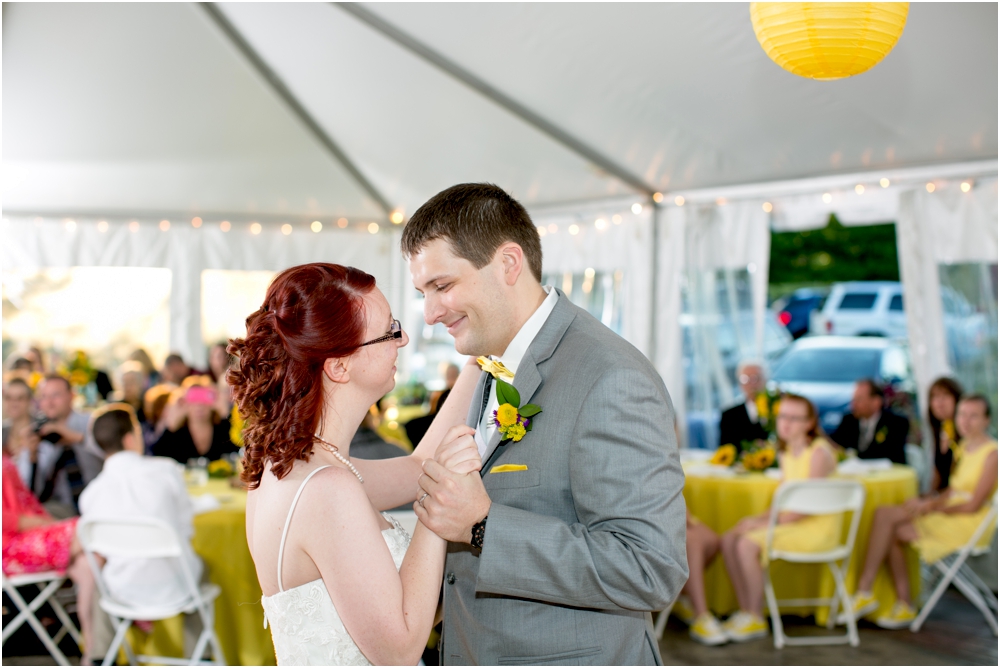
(590, 538)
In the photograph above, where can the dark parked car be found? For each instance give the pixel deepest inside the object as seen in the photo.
(795, 310)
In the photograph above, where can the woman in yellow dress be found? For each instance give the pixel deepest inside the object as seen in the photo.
(937, 526)
(805, 454)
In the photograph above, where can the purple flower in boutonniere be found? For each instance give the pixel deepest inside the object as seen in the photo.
(512, 421)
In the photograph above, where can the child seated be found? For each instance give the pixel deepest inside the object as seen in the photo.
(134, 486)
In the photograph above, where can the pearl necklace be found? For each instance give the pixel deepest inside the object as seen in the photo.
(335, 451)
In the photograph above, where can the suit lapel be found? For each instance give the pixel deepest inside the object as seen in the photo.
(528, 379)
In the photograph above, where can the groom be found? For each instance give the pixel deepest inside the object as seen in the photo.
(574, 531)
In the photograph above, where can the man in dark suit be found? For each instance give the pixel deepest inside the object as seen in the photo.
(872, 429)
(741, 422)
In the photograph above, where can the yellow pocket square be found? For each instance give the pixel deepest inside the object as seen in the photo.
(507, 468)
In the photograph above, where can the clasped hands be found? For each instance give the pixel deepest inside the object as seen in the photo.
(451, 497)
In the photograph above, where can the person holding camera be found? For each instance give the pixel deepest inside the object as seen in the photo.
(196, 423)
(61, 463)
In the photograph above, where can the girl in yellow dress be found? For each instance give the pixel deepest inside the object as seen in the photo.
(806, 454)
(937, 526)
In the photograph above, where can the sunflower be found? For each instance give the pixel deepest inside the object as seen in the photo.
(724, 456)
(506, 415)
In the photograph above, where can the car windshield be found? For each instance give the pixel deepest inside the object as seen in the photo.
(828, 365)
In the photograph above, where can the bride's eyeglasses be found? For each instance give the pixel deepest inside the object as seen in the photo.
(395, 332)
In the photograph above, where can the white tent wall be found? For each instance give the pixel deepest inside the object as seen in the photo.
(43, 243)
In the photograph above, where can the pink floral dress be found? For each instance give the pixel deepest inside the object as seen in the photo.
(44, 548)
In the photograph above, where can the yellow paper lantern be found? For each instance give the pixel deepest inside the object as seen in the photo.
(828, 40)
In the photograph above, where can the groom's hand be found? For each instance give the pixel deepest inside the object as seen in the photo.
(454, 502)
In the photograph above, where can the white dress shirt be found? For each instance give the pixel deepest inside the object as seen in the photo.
(130, 486)
(511, 359)
(866, 430)
(752, 411)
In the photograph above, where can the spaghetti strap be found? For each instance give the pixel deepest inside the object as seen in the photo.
(288, 520)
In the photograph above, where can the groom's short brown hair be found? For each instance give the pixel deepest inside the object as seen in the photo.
(475, 218)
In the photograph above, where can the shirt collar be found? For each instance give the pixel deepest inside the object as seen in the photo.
(511, 357)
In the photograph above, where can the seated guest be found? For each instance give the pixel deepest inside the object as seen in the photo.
(34, 542)
(417, 427)
(149, 369)
(133, 381)
(175, 369)
(19, 441)
(134, 486)
(804, 454)
(942, 398)
(64, 461)
(692, 606)
(934, 527)
(742, 422)
(154, 406)
(194, 427)
(218, 362)
(876, 432)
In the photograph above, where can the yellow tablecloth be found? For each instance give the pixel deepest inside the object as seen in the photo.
(220, 540)
(721, 502)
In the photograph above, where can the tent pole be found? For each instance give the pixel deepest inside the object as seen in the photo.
(279, 87)
(496, 96)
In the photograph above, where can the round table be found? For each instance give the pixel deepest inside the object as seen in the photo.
(220, 540)
(721, 498)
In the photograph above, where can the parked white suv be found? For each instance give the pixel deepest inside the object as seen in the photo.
(863, 308)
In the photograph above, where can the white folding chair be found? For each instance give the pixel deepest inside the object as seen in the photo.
(48, 583)
(816, 497)
(147, 538)
(661, 621)
(954, 570)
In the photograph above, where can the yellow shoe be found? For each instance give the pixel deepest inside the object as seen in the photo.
(707, 630)
(863, 603)
(683, 610)
(745, 626)
(901, 617)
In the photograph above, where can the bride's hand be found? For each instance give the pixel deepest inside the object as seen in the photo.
(458, 451)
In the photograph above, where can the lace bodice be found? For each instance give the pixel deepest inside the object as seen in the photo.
(305, 627)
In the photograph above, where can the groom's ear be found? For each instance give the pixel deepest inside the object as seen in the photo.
(335, 370)
(512, 260)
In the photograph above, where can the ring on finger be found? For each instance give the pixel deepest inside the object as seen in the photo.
(422, 497)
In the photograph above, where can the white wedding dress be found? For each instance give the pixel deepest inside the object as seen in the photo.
(305, 627)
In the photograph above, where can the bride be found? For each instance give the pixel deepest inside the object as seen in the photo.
(337, 587)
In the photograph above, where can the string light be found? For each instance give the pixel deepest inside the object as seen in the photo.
(966, 186)
(133, 226)
(859, 189)
(341, 223)
(657, 197)
(601, 224)
(225, 226)
(196, 222)
(164, 225)
(373, 228)
(637, 208)
(767, 207)
(102, 226)
(616, 219)
(255, 228)
(574, 229)
(827, 198)
(542, 231)
(286, 229)
(884, 182)
(553, 228)
(930, 187)
(71, 225)
(396, 217)
(316, 226)
(679, 200)
(721, 201)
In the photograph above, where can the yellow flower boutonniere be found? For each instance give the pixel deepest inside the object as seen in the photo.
(880, 436)
(512, 420)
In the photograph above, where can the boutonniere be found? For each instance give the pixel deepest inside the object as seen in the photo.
(881, 434)
(513, 421)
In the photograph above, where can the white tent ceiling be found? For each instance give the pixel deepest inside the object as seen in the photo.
(132, 109)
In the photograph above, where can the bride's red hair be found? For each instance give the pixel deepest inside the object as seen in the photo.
(311, 313)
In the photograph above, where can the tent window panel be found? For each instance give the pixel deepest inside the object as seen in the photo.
(107, 312)
(227, 298)
(597, 292)
(969, 304)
